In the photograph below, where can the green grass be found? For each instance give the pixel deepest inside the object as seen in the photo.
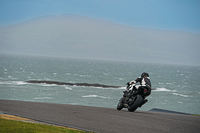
(196, 114)
(11, 126)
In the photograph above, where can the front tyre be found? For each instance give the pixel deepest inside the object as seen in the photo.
(120, 105)
(136, 104)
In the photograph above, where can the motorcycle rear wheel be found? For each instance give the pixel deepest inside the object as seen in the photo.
(136, 103)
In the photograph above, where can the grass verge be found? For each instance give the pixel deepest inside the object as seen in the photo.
(13, 126)
(196, 114)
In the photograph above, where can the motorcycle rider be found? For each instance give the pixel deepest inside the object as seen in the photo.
(144, 89)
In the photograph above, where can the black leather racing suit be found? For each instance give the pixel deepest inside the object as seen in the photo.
(144, 89)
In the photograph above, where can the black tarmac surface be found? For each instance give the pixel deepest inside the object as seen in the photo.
(103, 120)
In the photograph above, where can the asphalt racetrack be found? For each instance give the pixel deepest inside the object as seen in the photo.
(103, 120)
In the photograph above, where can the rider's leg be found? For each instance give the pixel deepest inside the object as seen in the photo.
(138, 90)
(146, 93)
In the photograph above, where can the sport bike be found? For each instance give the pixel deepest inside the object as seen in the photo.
(129, 100)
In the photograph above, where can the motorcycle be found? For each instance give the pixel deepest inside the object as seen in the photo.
(129, 100)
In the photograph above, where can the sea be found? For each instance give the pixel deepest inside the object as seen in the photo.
(175, 87)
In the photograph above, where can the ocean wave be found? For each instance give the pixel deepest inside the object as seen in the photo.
(68, 88)
(13, 83)
(94, 96)
(181, 95)
(20, 82)
(121, 79)
(122, 88)
(169, 83)
(85, 75)
(49, 85)
(43, 98)
(162, 89)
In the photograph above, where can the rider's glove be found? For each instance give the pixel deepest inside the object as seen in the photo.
(133, 82)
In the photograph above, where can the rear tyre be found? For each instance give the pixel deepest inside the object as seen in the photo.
(120, 105)
(136, 104)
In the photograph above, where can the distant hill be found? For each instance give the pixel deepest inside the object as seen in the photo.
(82, 37)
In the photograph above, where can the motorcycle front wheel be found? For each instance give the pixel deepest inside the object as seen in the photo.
(120, 105)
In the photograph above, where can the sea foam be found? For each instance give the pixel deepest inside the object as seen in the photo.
(13, 83)
(95, 96)
(181, 95)
(162, 89)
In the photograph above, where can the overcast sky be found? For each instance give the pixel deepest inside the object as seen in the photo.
(156, 14)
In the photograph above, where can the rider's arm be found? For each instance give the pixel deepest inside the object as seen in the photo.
(135, 81)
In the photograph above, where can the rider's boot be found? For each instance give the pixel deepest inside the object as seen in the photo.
(143, 102)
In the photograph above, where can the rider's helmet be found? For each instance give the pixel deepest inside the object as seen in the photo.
(144, 74)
